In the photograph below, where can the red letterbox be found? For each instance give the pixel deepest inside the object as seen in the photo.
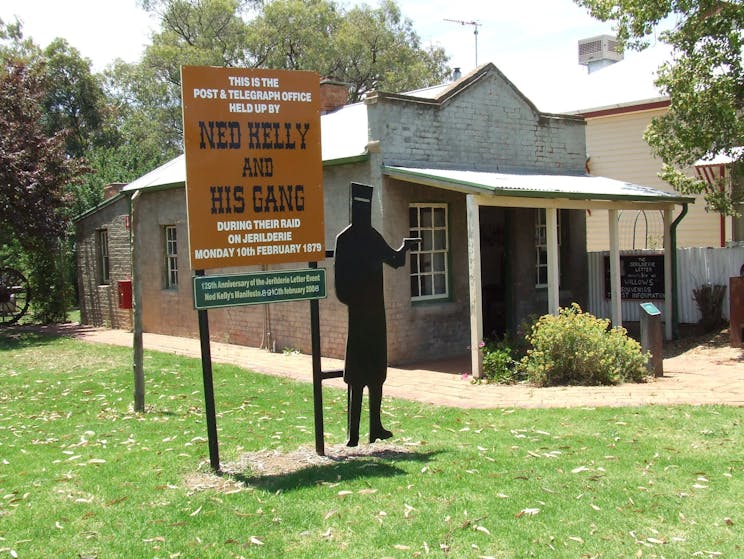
(125, 294)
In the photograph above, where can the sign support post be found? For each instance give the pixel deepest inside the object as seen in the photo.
(209, 409)
(317, 372)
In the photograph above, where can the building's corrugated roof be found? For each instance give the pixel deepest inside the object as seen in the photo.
(576, 187)
(168, 174)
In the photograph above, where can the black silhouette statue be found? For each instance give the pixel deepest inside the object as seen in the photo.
(360, 253)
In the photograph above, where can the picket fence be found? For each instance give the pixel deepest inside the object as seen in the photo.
(695, 267)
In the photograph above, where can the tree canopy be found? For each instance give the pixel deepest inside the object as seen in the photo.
(368, 48)
(703, 79)
(34, 167)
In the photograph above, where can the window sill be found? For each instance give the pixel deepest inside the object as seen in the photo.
(431, 302)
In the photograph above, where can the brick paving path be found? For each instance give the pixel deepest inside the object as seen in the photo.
(698, 376)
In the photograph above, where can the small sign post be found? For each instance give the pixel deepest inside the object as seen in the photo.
(254, 192)
(652, 340)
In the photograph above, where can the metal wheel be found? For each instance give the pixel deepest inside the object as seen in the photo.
(15, 296)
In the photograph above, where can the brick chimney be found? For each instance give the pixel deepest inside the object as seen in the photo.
(112, 189)
(333, 95)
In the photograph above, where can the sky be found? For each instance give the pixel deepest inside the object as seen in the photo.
(533, 42)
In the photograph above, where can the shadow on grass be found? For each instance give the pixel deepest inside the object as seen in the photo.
(290, 472)
(21, 337)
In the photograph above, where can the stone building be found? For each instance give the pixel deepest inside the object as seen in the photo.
(496, 189)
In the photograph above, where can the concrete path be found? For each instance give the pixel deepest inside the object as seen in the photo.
(698, 376)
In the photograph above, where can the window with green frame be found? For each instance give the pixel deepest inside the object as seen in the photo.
(429, 260)
(171, 256)
(104, 265)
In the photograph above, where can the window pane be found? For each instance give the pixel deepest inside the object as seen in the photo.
(426, 285)
(439, 217)
(440, 239)
(426, 243)
(439, 262)
(426, 217)
(440, 284)
(425, 262)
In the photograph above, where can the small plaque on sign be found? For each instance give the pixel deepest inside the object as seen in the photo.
(258, 288)
(650, 309)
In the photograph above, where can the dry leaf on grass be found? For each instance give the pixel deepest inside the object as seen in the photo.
(527, 512)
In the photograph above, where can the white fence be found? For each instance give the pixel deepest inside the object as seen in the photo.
(695, 267)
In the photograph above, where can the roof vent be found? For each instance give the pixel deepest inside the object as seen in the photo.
(598, 52)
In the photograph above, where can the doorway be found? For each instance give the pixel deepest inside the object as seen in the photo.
(494, 270)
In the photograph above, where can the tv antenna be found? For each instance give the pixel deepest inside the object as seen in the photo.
(475, 25)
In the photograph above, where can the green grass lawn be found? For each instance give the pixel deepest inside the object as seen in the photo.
(81, 475)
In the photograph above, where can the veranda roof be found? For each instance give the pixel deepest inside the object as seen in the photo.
(581, 188)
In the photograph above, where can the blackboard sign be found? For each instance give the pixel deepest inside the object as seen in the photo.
(641, 276)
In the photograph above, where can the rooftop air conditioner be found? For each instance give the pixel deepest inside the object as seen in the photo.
(602, 47)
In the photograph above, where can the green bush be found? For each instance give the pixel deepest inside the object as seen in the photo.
(499, 366)
(576, 348)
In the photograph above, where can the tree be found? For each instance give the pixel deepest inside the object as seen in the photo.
(369, 48)
(379, 49)
(13, 44)
(74, 99)
(34, 167)
(703, 79)
(193, 32)
(34, 173)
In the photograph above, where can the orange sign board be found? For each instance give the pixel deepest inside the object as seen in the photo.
(254, 176)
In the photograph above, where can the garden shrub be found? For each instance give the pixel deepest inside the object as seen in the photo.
(577, 348)
(498, 364)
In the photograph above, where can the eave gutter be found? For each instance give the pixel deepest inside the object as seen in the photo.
(103, 204)
(155, 188)
(362, 157)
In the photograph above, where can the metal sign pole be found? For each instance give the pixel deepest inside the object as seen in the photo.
(317, 373)
(206, 358)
